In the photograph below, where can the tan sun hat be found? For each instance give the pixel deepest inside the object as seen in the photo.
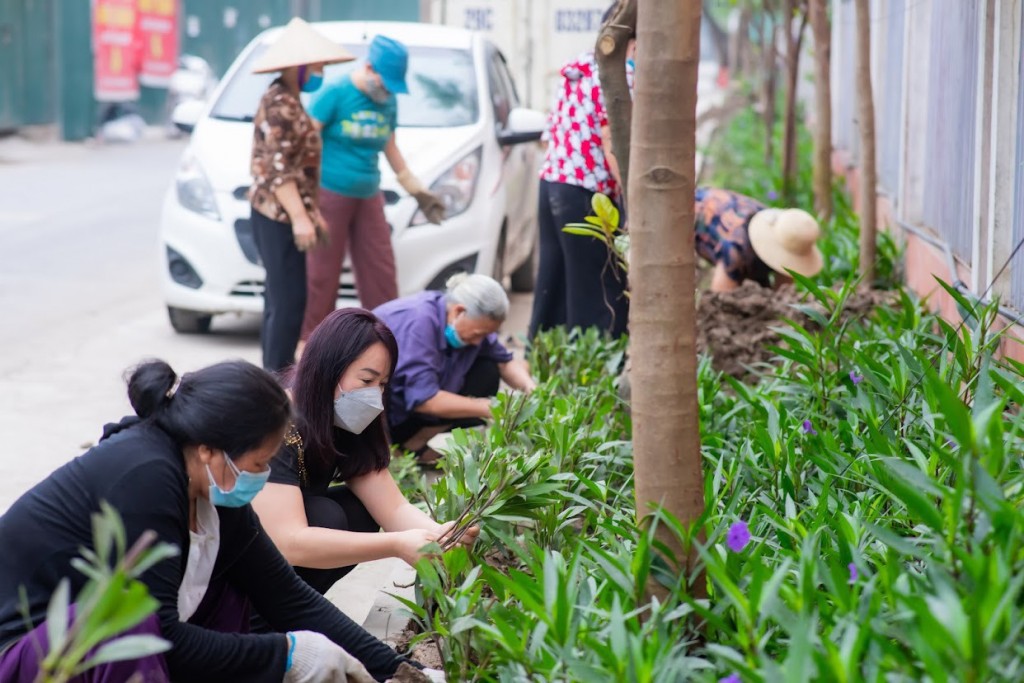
(785, 239)
(297, 44)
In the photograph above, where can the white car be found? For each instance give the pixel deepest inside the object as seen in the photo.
(460, 128)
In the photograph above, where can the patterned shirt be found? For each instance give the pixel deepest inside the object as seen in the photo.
(575, 155)
(721, 233)
(285, 147)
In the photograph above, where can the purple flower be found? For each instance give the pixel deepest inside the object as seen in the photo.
(731, 678)
(853, 573)
(808, 427)
(738, 536)
(772, 196)
(855, 378)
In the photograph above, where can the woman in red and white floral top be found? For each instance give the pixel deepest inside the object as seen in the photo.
(578, 284)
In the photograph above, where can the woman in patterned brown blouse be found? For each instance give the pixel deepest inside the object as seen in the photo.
(286, 179)
(745, 240)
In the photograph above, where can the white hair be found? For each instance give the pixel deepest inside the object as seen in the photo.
(482, 296)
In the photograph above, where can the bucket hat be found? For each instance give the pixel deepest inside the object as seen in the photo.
(390, 59)
(298, 44)
(785, 239)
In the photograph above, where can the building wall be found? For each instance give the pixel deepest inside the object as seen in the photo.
(46, 65)
(950, 125)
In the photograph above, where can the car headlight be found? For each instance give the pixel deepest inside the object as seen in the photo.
(456, 187)
(194, 191)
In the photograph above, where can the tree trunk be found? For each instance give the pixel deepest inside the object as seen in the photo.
(794, 43)
(739, 56)
(610, 52)
(868, 168)
(770, 37)
(666, 438)
(718, 35)
(822, 32)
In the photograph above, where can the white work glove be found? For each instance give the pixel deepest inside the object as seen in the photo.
(315, 658)
(407, 672)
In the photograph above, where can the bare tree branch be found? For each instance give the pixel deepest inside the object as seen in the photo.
(610, 51)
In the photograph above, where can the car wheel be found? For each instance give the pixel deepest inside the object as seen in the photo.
(524, 278)
(189, 322)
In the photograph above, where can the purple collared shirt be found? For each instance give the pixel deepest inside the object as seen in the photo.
(426, 364)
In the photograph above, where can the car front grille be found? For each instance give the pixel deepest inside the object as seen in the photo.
(253, 288)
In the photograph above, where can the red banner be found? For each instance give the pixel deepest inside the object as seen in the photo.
(158, 41)
(115, 51)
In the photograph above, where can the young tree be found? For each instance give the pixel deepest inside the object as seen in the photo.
(770, 56)
(666, 436)
(794, 43)
(868, 168)
(822, 32)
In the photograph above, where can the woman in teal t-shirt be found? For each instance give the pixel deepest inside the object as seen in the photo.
(359, 113)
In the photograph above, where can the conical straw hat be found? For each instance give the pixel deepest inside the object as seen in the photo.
(785, 239)
(299, 43)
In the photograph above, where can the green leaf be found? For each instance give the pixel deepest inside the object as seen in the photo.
(605, 209)
(584, 230)
(912, 487)
(126, 648)
(57, 615)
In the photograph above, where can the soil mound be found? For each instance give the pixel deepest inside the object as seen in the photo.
(735, 328)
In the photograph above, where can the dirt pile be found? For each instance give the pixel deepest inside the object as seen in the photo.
(734, 328)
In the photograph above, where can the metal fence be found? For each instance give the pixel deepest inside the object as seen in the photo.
(889, 101)
(844, 67)
(1017, 267)
(950, 130)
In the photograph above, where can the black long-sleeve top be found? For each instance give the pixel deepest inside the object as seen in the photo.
(140, 471)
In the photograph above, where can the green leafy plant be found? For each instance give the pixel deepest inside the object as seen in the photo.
(604, 225)
(111, 602)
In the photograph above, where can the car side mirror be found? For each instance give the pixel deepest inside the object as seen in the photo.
(524, 125)
(186, 115)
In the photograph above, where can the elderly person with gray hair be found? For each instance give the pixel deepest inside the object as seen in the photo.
(450, 362)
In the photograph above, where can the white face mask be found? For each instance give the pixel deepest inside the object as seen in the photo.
(355, 410)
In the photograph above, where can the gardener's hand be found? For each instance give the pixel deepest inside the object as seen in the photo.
(315, 658)
(431, 206)
(467, 539)
(304, 232)
(409, 544)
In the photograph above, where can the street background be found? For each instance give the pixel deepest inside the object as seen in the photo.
(80, 296)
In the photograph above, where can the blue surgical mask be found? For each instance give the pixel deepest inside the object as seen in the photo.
(247, 485)
(630, 64)
(453, 338)
(313, 83)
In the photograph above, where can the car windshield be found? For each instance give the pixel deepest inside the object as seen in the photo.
(442, 88)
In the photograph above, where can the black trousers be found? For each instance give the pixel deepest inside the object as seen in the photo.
(482, 380)
(339, 509)
(578, 282)
(284, 290)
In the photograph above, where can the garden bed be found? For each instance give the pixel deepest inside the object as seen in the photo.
(737, 329)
